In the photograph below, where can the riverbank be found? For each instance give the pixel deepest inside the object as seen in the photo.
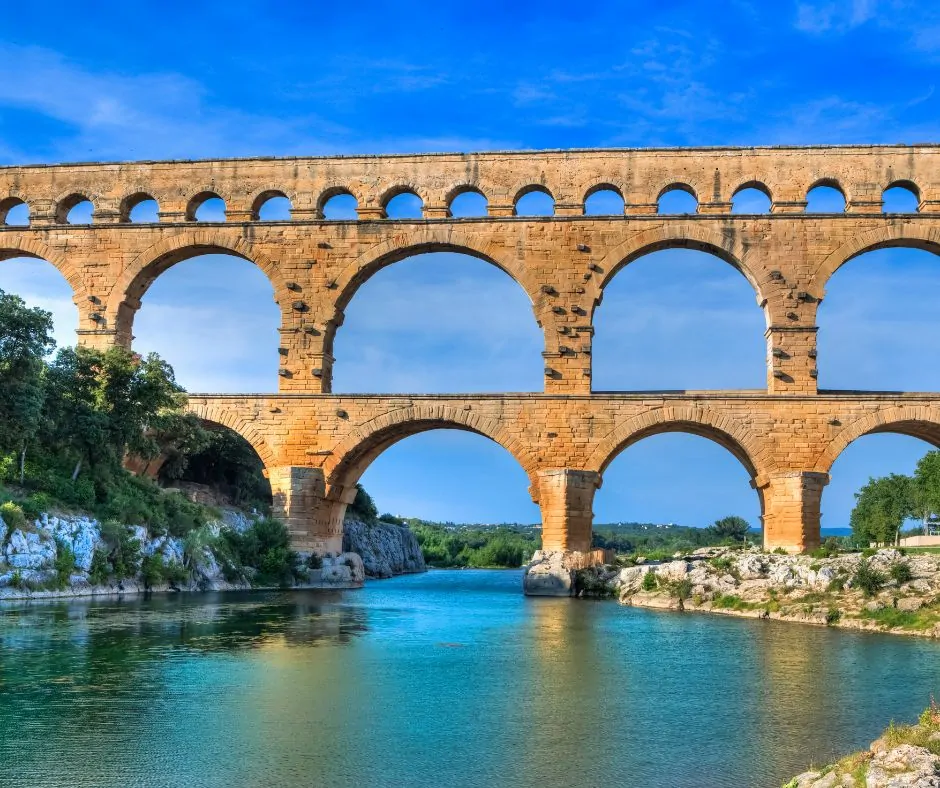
(885, 592)
(903, 756)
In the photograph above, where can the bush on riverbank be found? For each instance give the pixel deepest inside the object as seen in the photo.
(481, 548)
(903, 755)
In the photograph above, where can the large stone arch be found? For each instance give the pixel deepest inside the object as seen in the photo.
(755, 456)
(675, 235)
(421, 240)
(237, 422)
(140, 274)
(348, 460)
(11, 247)
(909, 233)
(916, 421)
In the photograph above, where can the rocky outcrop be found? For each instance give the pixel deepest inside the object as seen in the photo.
(386, 549)
(28, 559)
(827, 591)
(904, 757)
(562, 573)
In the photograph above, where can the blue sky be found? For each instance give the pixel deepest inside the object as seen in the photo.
(233, 79)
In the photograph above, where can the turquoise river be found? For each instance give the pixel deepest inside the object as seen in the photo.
(451, 678)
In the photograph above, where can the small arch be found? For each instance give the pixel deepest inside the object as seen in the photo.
(901, 197)
(825, 196)
(467, 202)
(722, 429)
(917, 422)
(206, 206)
(534, 200)
(349, 459)
(677, 199)
(140, 208)
(403, 203)
(271, 205)
(338, 203)
(14, 212)
(604, 199)
(752, 197)
(74, 209)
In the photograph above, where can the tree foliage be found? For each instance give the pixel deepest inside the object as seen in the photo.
(881, 508)
(732, 527)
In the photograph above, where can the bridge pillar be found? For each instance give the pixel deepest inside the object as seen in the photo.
(306, 364)
(566, 499)
(314, 520)
(791, 359)
(792, 509)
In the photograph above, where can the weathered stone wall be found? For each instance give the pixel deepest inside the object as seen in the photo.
(316, 445)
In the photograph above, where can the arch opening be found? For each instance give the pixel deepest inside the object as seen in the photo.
(75, 209)
(876, 458)
(677, 199)
(14, 212)
(199, 308)
(140, 208)
(404, 205)
(272, 206)
(679, 473)
(434, 469)
(534, 201)
(877, 321)
(753, 198)
(825, 196)
(484, 336)
(339, 205)
(40, 284)
(674, 320)
(901, 197)
(604, 200)
(230, 466)
(469, 203)
(206, 207)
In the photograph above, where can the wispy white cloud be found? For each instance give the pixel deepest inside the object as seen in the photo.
(818, 18)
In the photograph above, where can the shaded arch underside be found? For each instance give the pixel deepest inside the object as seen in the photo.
(686, 236)
(915, 422)
(238, 423)
(425, 242)
(148, 266)
(717, 428)
(353, 455)
(35, 250)
(901, 235)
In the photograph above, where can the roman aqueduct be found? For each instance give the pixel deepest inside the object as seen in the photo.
(315, 445)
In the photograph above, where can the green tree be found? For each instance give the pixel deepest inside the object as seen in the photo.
(881, 508)
(926, 487)
(731, 527)
(25, 339)
(102, 405)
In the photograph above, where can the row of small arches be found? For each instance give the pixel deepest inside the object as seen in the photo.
(603, 200)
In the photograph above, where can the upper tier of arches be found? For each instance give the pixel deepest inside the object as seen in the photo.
(868, 181)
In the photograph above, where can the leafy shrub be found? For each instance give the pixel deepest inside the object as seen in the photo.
(13, 516)
(722, 563)
(901, 572)
(869, 580)
(152, 570)
(832, 616)
(836, 584)
(315, 561)
(64, 563)
(265, 546)
(649, 581)
(828, 549)
(124, 550)
(680, 589)
(100, 571)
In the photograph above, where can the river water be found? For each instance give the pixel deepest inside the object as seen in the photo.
(451, 678)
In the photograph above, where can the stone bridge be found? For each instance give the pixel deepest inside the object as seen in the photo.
(315, 445)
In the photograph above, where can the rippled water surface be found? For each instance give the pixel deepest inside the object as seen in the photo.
(443, 679)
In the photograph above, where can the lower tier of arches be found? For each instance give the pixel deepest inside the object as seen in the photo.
(316, 447)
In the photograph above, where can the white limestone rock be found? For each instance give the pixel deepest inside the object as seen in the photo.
(386, 549)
